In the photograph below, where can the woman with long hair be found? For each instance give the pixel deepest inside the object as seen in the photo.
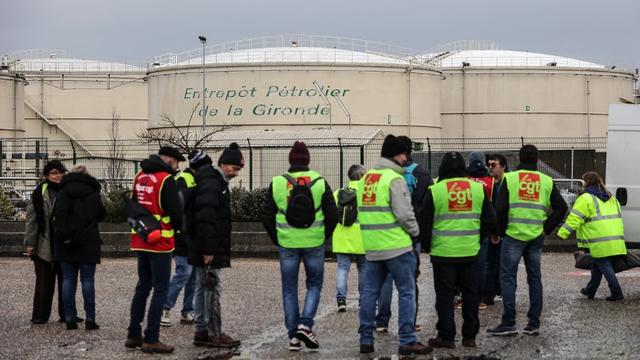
(596, 218)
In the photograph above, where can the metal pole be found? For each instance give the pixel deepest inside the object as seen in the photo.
(362, 155)
(38, 158)
(429, 154)
(572, 168)
(341, 164)
(1, 155)
(204, 98)
(250, 165)
(73, 150)
(135, 167)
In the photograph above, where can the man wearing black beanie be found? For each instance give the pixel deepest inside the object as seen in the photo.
(210, 241)
(388, 226)
(451, 233)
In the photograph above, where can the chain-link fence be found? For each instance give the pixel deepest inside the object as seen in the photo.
(117, 161)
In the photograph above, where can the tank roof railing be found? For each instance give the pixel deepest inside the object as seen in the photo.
(286, 41)
(40, 54)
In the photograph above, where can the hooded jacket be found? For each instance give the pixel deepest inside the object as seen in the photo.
(558, 205)
(77, 212)
(170, 201)
(400, 202)
(426, 216)
(210, 227)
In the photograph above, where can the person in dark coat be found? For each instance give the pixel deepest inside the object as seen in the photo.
(38, 240)
(77, 241)
(210, 243)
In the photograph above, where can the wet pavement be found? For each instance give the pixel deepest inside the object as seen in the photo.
(572, 326)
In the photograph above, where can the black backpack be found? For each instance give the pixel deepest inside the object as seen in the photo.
(301, 211)
(347, 206)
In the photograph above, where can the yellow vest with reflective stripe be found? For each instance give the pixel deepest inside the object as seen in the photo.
(347, 239)
(188, 178)
(456, 223)
(598, 224)
(288, 236)
(529, 201)
(380, 228)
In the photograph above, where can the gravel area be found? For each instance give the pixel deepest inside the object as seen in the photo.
(572, 327)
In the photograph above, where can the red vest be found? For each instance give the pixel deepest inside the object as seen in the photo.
(147, 189)
(487, 184)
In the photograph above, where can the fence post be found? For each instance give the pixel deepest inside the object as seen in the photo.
(572, 159)
(38, 158)
(250, 165)
(362, 155)
(73, 150)
(522, 140)
(429, 154)
(135, 167)
(1, 155)
(341, 163)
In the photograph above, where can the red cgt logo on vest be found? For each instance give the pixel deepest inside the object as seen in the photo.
(529, 187)
(369, 192)
(459, 193)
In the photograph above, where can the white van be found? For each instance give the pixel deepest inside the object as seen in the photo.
(623, 165)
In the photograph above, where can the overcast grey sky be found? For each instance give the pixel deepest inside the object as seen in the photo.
(605, 31)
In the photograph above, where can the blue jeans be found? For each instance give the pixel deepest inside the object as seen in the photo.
(207, 301)
(531, 252)
(184, 277)
(600, 267)
(69, 284)
(483, 265)
(313, 260)
(383, 314)
(342, 276)
(154, 271)
(403, 270)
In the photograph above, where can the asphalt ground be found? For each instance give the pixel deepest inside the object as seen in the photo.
(572, 326)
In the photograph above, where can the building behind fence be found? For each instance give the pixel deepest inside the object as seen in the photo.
(115, 162)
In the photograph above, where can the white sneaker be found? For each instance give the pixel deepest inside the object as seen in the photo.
(186, 319)
(165, 320)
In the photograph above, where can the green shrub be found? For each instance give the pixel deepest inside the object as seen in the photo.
(247, 205)
(7, 210)
(114, 205)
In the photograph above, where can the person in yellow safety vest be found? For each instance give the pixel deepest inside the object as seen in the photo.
(347, 240)
(596, 219)
(456, 215)
(184, 276)
(388, 226)
(296, 244)
(529, 206)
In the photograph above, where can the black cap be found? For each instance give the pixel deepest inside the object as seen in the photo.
(54, 164)
(171, 152)
(392, 146)
(198, 158)
(232, 156)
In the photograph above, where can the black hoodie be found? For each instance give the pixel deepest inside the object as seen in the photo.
(452, 168)
(170, 201)
(210, 220)
(77, 211)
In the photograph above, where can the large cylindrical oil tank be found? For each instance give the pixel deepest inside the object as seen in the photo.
(11, 105)
(296, 87)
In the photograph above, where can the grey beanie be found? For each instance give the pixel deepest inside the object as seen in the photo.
(476, 156)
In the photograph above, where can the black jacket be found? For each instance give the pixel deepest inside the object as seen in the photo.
(423, 181)
(328, 205)
(210, 224)
(76, 214)
(169, 199)
(426, 216)
(181, 237)
(558, 206)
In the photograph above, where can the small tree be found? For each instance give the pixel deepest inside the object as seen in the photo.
(115, 169)
(185, 139)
